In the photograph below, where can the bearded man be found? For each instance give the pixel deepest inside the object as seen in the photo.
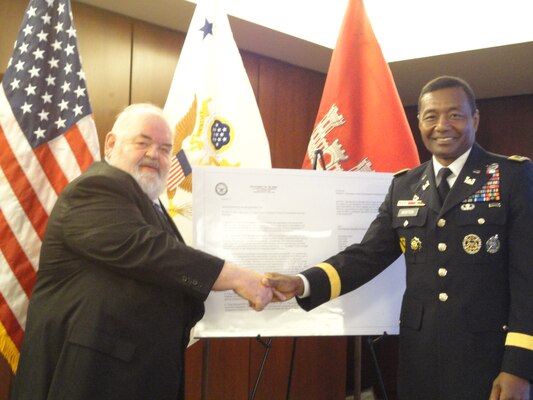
(118, 290)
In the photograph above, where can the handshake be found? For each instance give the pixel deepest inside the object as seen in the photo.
(259, 289)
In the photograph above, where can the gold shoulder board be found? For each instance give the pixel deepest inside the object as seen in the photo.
(401, 172)
(518, 158)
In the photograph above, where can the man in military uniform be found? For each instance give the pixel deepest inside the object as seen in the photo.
(466, 324)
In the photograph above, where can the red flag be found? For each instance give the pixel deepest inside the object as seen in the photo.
(361, 124)
(47, 138)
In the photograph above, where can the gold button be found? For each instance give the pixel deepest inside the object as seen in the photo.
(441, 223)
(405, 223)
(442, 247)
(443, 297)
(443, 272)
(481, 221)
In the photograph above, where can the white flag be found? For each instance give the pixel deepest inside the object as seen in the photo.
(212, 109)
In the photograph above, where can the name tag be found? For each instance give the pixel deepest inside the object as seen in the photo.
(408, 212)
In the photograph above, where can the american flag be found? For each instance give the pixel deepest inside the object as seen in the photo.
(47, 138)
(179, 170)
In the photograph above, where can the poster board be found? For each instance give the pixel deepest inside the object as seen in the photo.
(281, 220)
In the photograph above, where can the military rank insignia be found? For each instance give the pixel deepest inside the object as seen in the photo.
(490, 191)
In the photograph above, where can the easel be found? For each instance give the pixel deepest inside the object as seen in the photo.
(267, 345)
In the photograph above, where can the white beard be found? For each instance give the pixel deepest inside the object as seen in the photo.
(153, 184)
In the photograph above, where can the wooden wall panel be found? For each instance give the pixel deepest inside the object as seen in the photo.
(506, 125)
(104, 41)
(275, 376)
(289, 97)
(12, 13)
(155, 53)
(252, 64)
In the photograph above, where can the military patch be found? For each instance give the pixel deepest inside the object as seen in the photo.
(402, 244)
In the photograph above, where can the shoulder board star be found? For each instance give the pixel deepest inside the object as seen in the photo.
(401, 172)
(518, 158)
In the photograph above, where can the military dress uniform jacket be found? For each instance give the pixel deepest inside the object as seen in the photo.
(116, 295)
(467, 312)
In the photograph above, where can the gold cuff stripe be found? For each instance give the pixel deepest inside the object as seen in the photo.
(519, 340)
(334, 279)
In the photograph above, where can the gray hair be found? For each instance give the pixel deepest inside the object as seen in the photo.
(120, 127)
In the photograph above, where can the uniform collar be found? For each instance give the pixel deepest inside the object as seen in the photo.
(455, 166)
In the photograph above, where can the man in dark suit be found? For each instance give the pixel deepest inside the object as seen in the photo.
(466, 324)
(117, 290)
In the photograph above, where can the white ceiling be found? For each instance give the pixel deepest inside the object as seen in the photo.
(493, 72)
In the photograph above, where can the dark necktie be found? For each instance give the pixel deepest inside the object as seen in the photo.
(166, 221)
(161, 213)
(443, 187)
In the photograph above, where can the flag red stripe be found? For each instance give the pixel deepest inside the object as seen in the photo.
(79, 147)
(22, 187)
(51, 168)
(10, 323)
(16, 257)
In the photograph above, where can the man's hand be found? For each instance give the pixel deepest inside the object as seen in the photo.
(284, 287)
(246, 283)
(510, 387)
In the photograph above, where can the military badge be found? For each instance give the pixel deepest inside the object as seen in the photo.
(471, 243)
(493, 244)
(470, 181)
(492, 168)
(416, 244)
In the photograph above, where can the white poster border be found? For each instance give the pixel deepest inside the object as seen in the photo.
(283, 220)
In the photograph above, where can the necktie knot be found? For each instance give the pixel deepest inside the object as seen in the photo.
(443, 187)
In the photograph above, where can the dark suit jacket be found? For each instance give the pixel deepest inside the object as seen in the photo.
(469, 275)
(116, 295)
